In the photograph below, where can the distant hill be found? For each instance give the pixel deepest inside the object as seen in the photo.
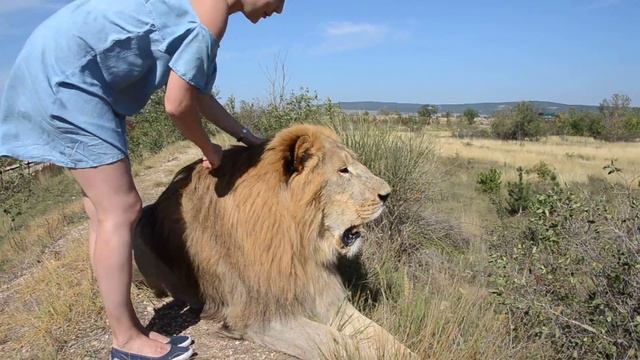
(482, 108)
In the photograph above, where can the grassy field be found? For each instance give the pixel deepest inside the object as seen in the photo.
(574, 158)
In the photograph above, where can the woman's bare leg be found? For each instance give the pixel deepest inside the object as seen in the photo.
(115, 205)
(90, 209)
(93, 225)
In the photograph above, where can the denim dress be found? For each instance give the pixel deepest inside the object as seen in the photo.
(88, 67)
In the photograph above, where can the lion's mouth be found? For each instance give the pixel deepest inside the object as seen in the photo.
(351, 235)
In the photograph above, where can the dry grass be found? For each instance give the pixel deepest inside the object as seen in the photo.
(59, 305)
(574, 158)
(446, 319)
(23, 248)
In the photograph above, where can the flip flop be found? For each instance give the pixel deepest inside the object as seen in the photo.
(175, 353)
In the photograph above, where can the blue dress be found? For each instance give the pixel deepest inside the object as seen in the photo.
(90, 65)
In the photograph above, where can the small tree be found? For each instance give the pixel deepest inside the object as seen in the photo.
(427, 112)
(621, 122)
(519, 123)
(470, 115)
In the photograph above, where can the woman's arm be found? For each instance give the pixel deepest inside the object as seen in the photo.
(213, 15)
(180, 102)
(213, 111)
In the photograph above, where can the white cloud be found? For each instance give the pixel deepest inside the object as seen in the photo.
(349, 28)
(346, 35)
(10, 6)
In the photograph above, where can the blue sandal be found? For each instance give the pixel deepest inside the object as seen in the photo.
(175, 353)
(180, 340)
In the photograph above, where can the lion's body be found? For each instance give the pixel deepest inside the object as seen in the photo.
(255, 242)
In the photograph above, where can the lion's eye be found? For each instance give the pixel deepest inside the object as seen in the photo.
(344, 170)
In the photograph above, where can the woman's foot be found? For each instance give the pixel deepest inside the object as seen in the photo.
(175, 353)
(157, 337)
(179, 340)
(144, 346)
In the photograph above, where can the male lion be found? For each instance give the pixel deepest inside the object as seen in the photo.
(255, 242)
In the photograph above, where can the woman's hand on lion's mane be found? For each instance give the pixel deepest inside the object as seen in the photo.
(212, 157)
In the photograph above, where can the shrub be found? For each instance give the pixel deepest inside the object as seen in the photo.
(426, 113)
(518, 194)
(568, 272)
(520, 123)
(15, 188)
(25, 196)
(544, 172)
(580, 123)
(470, 115)
(489, 182)
(296, 107)
(621, 122)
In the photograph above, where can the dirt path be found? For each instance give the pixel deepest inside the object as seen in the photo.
(162, 315)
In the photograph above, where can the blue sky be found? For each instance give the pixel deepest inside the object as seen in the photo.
(570, 51)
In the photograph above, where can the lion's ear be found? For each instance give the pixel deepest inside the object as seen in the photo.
(301, 153)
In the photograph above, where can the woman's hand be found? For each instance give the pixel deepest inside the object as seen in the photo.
(212, 156)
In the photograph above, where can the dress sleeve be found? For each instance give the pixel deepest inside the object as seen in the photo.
(195, 59)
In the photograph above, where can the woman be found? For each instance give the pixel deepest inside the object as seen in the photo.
(79, 75)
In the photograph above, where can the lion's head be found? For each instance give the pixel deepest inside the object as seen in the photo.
(332, 182)
(350, 194)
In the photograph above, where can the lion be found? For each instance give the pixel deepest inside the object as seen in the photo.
(254, 244)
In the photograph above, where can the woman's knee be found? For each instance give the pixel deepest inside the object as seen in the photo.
(134, 208)
(124, 210)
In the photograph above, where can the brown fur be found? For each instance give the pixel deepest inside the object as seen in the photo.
(255, 242)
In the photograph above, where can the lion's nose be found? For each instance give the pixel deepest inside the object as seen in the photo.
(384, 197)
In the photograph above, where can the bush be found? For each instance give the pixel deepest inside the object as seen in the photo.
(519, 194)
(621, 122)
(489, 182)
(470, 115)
(520, 123)
(25, 195)
(580, 123)
(15, 188)
(568, 271)
(276, 115)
